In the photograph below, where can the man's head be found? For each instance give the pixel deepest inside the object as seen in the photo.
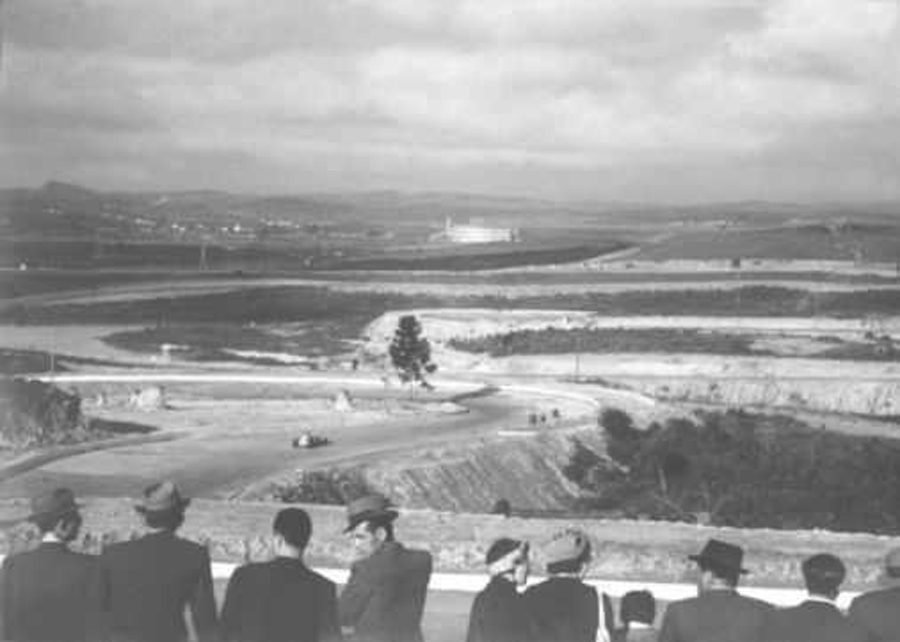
(823, 575)
(720, 565)
(162, 506)
(891, 575)
(58, 513)
(508, 558)
(638, 606)
(291, 529)
(370, 522)
(568, 552)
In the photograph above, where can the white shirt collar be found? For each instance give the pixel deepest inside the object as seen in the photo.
(639, 625)
(819, 598)
(51, 538)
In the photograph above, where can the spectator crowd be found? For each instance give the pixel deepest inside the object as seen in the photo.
(159, 588)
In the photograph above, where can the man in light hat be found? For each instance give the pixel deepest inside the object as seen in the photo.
(563, 608)
(384, 597)
(45, 591)
(817, 619)
(147, 585)
(498, 612)
(878, 612)
(718, 612)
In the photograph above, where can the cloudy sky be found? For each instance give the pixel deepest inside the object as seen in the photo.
(652, 100)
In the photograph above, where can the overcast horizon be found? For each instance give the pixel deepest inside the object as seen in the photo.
(654, 101)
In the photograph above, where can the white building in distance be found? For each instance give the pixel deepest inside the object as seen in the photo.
(476, 232)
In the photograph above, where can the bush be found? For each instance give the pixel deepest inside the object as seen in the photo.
(34, 413)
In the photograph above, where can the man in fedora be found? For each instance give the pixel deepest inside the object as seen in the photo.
(148, 584)
(45, 591)
(878, 612)
(281, 600)
(718, 612)
(817, 619)
(384, 597)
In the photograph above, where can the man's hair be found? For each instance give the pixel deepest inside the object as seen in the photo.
(169, 520)
(294, 525)
(386, 523)
(823, 574)
(638, 606)
(573, 565)
(727, 575)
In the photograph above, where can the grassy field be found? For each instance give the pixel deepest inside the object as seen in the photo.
(305, 303)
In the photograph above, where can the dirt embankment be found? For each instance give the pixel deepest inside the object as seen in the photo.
(525, 467)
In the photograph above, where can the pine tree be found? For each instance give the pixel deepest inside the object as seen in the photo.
(411, 352)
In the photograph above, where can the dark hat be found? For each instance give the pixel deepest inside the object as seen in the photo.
(500, 549)
(892, 562)
(162, 497)
(57, 503)
(719, 555)
(367, 508)
(638, 606)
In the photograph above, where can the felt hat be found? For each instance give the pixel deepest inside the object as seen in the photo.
(162, 497)
(369, 507)
(55, 504)
(719, 555)
(568, 545)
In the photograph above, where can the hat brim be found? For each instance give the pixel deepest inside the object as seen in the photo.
(68, 510)
(718, 563)
(369, 515)
(183, 502)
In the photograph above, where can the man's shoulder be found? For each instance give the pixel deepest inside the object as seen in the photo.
(879, 598)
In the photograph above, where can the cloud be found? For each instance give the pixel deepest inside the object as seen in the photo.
(590, 99)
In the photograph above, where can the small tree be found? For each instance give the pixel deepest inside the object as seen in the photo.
(411, 352)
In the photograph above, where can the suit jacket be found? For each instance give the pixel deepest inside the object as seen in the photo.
(145, 585)
(385, 595)
(878, 613)
(498, 614)
(635, 634)
(716, 616)
(280, 601)
(46, 595)
(813, 621)
(563, 609)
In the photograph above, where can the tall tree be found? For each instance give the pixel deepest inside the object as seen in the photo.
(411, 352)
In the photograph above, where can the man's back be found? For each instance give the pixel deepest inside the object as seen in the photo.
(385, 595)
(146, 584)
(715, 616)
(46, 594)
(878, 613)
(563, 609)
(280, 601)
(812, 621)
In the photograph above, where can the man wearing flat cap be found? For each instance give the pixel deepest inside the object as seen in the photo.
(563, 608)
(878, 612)
(384, 597)
(718, 612)
(147, 585)
(817, 619)
(45, 591)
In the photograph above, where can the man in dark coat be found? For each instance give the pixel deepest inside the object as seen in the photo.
(817, 619)
(281, 600)
(878, 612)
(498, 612)
(718, 613)
(46, 591)
(148, 584)
(563, 608)
(384, 598)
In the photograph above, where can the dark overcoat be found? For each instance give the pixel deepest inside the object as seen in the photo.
(878, 613)
(563, 609)
(719, 615)
(146, 584)
(813, 621)
(279, 601)
(498, 614)
(384, 598)
(45, 595)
